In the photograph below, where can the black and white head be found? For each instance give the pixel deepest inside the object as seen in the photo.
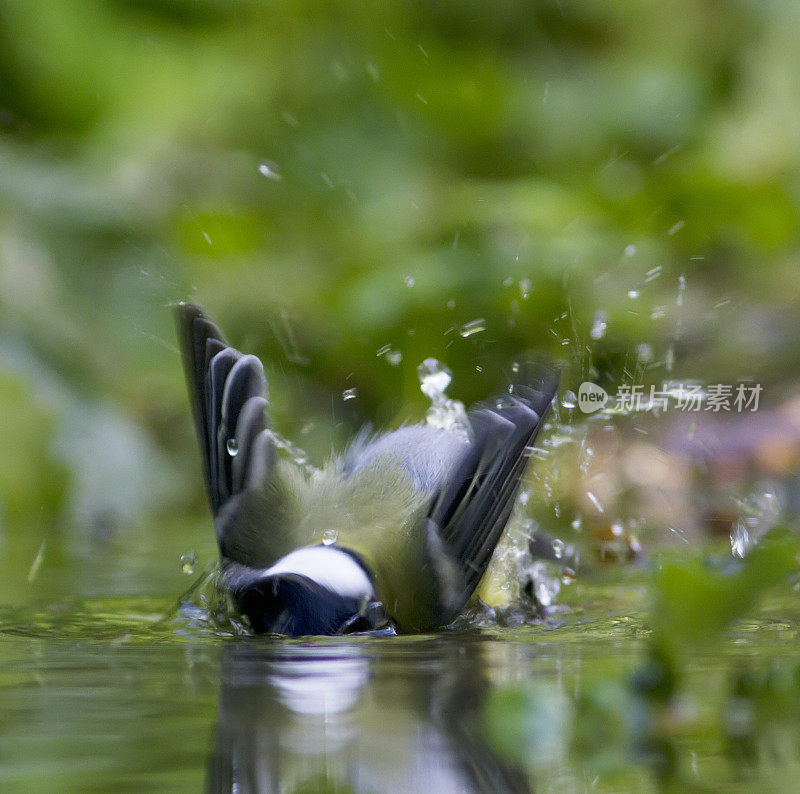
(312, 590)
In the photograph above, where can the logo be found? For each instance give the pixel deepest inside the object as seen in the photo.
(591, 397)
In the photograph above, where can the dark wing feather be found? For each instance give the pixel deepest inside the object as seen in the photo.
(228, 393)
(472, 509)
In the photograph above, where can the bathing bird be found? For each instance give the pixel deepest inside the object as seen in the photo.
(394, 534)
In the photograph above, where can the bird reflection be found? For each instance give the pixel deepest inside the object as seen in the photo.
(356, 716)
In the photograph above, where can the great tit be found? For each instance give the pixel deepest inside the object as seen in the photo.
(416, 513)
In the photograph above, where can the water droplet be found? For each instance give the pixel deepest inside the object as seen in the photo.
(675, 228)
(558, 548)
(232, 447)
(189, 561)
(451, 304)
(599, 325)
(524, 288)
(434, 378)
(653, 273)
(658, 312)
(630, 250)
(595, 501)
(472, 327)
(577, 524)
(329, 537)
(270, 171)
(633, 294)
(569, 400)
(681, 290)
(349, 394)
(524, 497)
(394, 357)
(740, 540)
(410, 280)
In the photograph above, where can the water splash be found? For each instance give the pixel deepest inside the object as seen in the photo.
(472, 327)
(350, 394)
(297, 455)
(434, 378)
(592, 497)
(189, 562)
(270, 171)
(393, 357)
(758, 512)
(740, 540)
(444, 413)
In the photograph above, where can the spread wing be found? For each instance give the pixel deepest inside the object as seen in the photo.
(474, 504)
(228, 394)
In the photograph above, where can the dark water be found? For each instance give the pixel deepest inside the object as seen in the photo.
(122, 695)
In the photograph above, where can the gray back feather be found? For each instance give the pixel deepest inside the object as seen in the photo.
(426, 454)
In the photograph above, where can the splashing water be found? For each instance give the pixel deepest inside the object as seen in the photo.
(444, 413)
(758, 511)
(350, 394)
(270, 171)
(545, 586)
(393, 357)
(740, 540)
(189, 562)
(472, 327)
(297, 455)
(434, 378)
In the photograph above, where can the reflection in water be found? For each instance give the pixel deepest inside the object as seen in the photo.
(339, 717)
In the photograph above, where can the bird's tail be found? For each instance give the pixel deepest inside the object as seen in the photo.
(228, 394)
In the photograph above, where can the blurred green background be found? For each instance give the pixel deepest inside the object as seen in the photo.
(327, 179)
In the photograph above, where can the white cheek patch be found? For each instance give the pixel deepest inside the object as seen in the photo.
(328, 566)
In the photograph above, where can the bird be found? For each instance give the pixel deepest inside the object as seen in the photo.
(393, 535)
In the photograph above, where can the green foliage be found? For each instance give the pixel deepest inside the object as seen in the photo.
(33, 482)
(527, 163)
(694, 604)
